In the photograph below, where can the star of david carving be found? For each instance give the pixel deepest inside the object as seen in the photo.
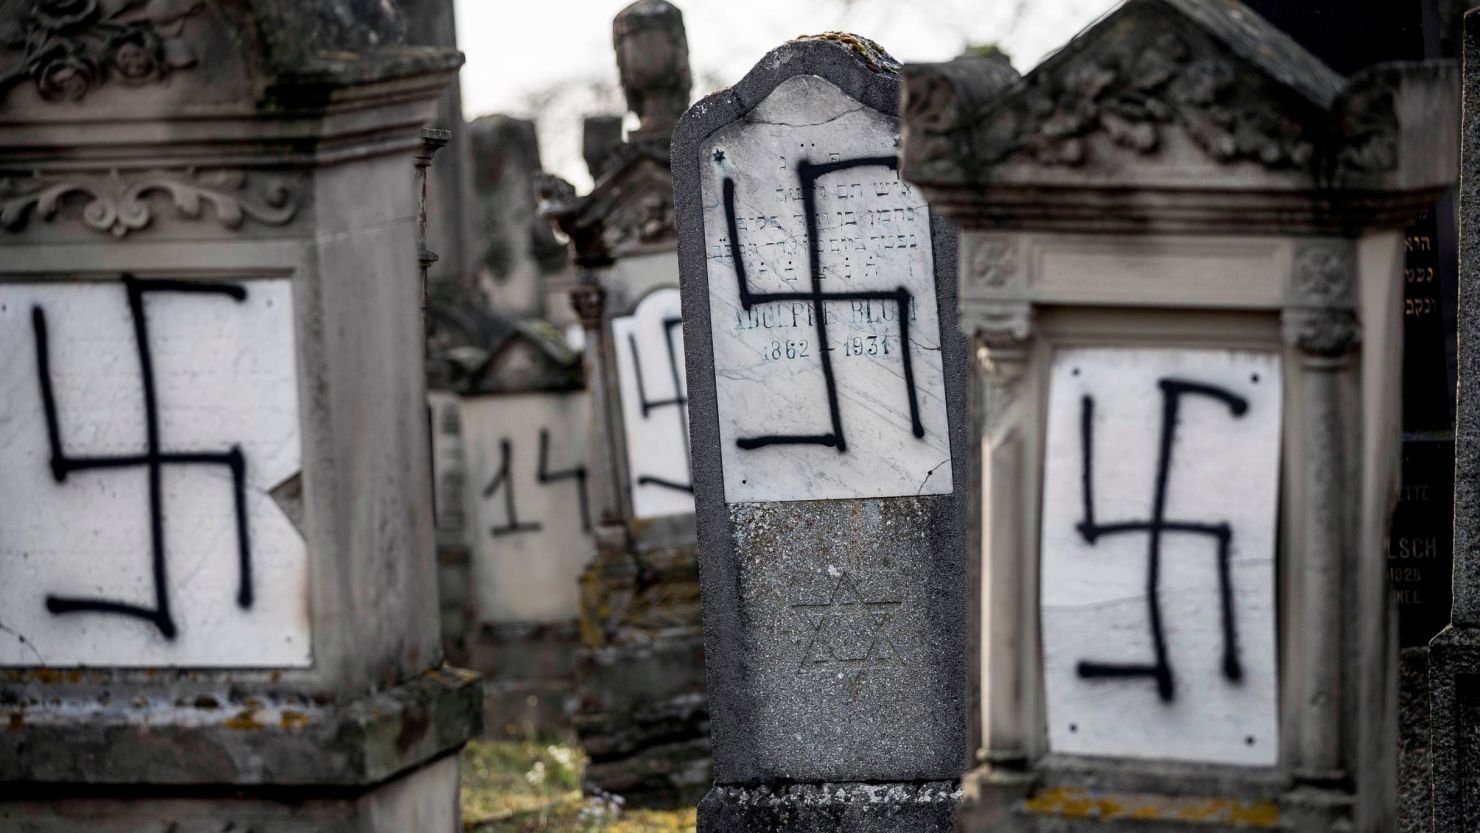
(848, 632)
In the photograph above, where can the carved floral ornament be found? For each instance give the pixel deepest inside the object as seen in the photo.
(119, 204)
(66, 48)
(1132, 92)
(1321, 318)
(993, 264)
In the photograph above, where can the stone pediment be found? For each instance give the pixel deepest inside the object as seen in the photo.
(1180, 96)
(629, 210)
(476, 350)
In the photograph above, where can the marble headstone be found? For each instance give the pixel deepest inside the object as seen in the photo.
(1161, 480)
(109, 558)
(826, 387)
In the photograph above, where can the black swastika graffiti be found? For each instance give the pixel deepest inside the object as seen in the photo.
(1160, 670)
(807, 176)
(678, 401)
(153, 460)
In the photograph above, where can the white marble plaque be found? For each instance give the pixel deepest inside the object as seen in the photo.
(530, 517)
(144, 427)
(1161, 486)
(655, 405)
(827, 355)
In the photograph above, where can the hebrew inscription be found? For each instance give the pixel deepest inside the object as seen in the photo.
(823, 311)
(655, 405)
(1159, 522)
(147, 425)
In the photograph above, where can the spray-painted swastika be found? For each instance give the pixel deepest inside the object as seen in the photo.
(808, 175)
(154, 458)
(1154, 527)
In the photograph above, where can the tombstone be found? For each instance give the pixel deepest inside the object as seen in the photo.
(827, 393)
(1350, 37)
(529, 522)
(1182, 272)
(215, 525)
(487, 342)
(642, 715)
(522, 270)
(1454, 655)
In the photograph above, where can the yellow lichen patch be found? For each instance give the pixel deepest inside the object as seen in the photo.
(1077, 802)
(245, 720)
(292, 719)
(874, 56)
(51, 676)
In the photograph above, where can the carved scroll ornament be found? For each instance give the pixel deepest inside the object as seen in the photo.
(118, 204)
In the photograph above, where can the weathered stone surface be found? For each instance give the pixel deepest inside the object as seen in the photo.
(853, 661)
(1467, 423)
(230, 737)
(1415, 768)
(832, 627)
(824, 808)
(517, 252)
(644, 720)
(423, 799)
(1454, 655)
(529, 676)
(653, 58)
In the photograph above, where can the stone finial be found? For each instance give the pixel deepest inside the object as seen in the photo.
(600, 137)
(653, 59)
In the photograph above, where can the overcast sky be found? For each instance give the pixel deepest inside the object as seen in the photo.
(520, 52)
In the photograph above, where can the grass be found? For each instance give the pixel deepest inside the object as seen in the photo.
(529, 786)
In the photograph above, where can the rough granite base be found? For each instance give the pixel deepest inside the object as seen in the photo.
(917, 807)
(1454, 703)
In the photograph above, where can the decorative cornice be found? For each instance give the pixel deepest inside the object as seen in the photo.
(117, 203)
(66, 48)
(1320, 318)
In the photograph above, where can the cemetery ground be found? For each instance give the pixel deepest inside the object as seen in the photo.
(525, 786)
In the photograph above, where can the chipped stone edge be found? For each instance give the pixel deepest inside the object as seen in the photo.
(251, 741)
